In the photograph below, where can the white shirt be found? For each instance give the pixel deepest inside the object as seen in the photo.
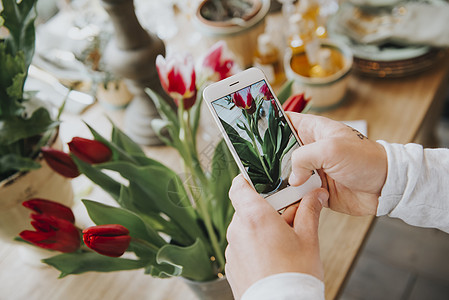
(416, 190)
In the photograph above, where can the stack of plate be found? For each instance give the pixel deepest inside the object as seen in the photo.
(384, 59)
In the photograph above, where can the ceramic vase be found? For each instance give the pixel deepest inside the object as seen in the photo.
(40, 183)
(240, 35)
(218, 289)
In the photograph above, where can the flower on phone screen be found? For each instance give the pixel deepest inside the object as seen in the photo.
(244, 100)
(265, 91)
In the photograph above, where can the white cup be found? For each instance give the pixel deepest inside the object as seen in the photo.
(325, 92)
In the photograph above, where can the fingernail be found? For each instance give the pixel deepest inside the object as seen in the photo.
(323, 197)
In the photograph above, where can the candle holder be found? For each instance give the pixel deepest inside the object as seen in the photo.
(131, 54)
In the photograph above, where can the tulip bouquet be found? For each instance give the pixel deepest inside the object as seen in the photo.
(165, 223)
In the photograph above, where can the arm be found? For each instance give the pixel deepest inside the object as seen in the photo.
(417, 186)
(367, 178)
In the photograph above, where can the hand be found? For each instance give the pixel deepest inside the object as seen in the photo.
(352, 167)
(261, 243)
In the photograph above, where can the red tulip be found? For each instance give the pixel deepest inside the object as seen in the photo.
(60, 162)
(110, 240)
(177, 76)
(244, 100)
(50, 208)
(295, 103)
(216, 63)
(90, 151)
(52, 233)
(265, 91)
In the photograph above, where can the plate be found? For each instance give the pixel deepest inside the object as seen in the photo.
(385, 59)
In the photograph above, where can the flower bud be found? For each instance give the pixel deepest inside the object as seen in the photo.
(110, 240)
(50, 208)
(60, 162)
(90, 151)
(265, 91)
(52, 233)
(178, 78)
(216, 64)
(296, 103)
(244, 100)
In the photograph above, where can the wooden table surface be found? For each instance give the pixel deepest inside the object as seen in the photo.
(396, 110)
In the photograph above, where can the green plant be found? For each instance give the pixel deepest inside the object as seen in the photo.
(22, 133)
(174, 220)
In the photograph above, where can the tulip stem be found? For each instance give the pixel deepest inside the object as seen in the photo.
(147, 244)
(192, 163)
(251, 135)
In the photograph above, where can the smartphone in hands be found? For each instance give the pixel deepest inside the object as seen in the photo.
(258, 134)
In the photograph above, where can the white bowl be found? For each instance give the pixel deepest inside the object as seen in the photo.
(325, 92)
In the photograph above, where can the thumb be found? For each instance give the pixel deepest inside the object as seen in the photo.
(306, 159)
(244, 198)
(308, 215)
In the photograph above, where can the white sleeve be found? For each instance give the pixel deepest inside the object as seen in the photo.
(417, 185)
(286, 286)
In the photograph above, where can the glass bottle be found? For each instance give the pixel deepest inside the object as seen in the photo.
(267, 58)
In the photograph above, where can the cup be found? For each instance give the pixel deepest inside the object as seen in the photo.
(325, 92)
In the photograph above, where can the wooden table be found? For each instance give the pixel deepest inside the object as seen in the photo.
(397, 110)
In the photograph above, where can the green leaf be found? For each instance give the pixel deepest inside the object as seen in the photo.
(134, 199)
(285, 92)
(125, 142)
(12, 74)
(14, 162)
(192, 261)
(14, 128)
(164, 109)
(19, 19)
(161, 126)
(98, 177)
(81, 262)
(244, 148)
(164, 189)
(117, 152)
(224, 169)
(195, 111)
(105, 214)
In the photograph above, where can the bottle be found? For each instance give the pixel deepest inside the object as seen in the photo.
(267, 58)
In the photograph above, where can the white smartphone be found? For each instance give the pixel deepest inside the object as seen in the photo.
(258, 134)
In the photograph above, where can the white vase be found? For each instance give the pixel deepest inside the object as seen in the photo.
(22, 186)
(218, 289)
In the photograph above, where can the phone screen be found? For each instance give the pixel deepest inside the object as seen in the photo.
(260, 135)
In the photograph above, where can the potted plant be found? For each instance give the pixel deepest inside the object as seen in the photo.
(237, 22)
(26, 124)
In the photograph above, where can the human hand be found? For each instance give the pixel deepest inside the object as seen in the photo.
(352, 167)
(261, 243)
